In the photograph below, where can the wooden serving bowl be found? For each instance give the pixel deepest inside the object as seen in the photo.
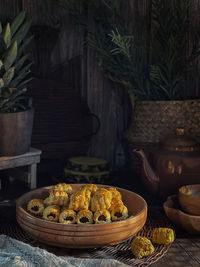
(189, 223)
(82, 236)
(189, 199)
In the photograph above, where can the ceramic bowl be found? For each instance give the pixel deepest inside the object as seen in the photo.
(189, 223)
(189, 199)
(82, 236)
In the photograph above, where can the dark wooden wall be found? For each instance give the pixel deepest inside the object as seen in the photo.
(59, 54)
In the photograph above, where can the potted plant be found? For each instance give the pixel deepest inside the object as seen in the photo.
(169, 104)
(154, 72)
(152, 69)
(16, 111)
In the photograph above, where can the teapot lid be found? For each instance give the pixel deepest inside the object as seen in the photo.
(179, 142)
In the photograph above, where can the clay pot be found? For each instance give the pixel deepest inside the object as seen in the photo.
(16, 131)
(176, 163)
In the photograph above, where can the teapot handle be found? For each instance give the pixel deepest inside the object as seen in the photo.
(98, 124)
(97, 128)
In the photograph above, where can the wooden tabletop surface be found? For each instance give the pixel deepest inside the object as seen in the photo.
(183, 252)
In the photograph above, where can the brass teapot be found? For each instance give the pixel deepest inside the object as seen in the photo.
(174, 164)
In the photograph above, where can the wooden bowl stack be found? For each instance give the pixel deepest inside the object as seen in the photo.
(184, 209)
(189, 199)
(82, 236)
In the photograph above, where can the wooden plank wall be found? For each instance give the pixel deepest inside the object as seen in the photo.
(109, 101)
(59, 54)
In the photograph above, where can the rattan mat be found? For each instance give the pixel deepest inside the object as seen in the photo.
(120, 252)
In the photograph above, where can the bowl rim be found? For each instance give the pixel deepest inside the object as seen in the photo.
(88, 227)
(183, 191)
(171, 199)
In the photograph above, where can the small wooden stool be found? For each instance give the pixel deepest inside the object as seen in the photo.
(29, 159)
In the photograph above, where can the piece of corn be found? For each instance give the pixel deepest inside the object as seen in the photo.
(163, 236)
(141, 246)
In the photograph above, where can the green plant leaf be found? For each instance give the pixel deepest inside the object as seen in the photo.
(8, 76)
(24, 83)
(19, 63)
(7, 35)
(1, 64)
(17, 22)
(12, 104)
(13, 65)
(1, 83)
(0, 27)
(21, 33)
(2, 46)
(23, 46)
(25, 69)
(19, 78)
(122, 43)
(10, 56)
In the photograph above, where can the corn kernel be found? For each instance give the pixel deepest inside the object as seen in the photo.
(163, 236)
(141, 246)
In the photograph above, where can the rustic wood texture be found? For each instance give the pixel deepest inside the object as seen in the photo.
(33, 156)
(120, 252)
(58, 43)
(59, 54)
(10, 7)
(82, 236)
(29, 159)
(183, 252)
(62, 124)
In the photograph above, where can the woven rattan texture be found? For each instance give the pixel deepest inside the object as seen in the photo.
(120, 252)
(153, 120)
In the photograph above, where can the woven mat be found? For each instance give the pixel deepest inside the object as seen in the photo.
(120, 252)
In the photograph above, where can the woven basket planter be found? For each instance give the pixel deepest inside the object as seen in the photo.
(151, 121)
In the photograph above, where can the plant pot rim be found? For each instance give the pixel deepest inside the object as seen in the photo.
(22, 111)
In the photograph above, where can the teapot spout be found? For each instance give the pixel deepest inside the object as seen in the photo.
(149, 177)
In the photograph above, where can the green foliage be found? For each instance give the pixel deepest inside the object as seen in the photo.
(123, 43)
(169, 46)
(14, 65)
(107, 33)
(156, 74)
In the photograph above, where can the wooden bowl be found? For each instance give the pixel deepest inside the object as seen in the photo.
(82, 236)
(189, 199)
(189, 223)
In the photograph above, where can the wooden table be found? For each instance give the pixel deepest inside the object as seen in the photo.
(183, 252)
(29, 159)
